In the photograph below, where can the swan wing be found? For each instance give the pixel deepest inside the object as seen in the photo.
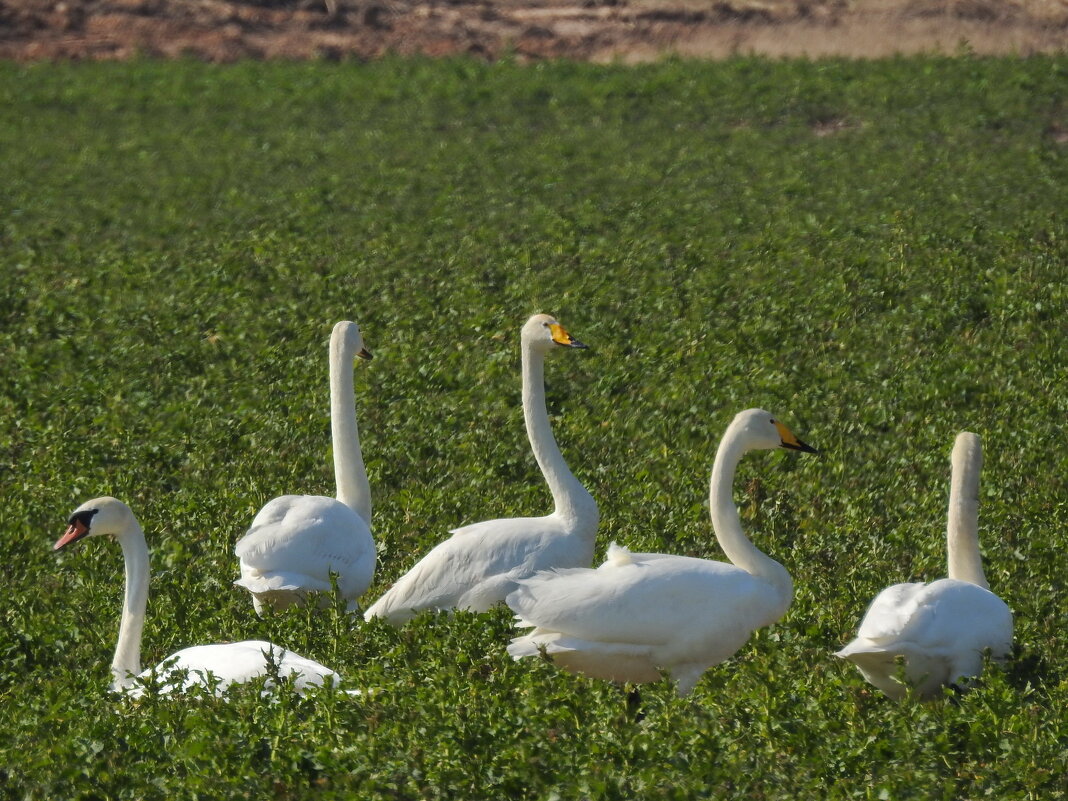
(645, 602)
(478, 566)
(944, 616)
(296, 541)
(891, 612)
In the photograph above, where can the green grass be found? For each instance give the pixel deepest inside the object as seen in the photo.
(875, 252)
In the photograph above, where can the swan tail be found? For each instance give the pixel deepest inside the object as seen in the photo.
(618, 556)
(534, 644)
(867, 655)
(386, 609)
(257, 582)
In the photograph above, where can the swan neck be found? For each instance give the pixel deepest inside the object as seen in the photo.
(728, 525)
(350, 475)
(126, 663)
(571, 499)
(962, 525)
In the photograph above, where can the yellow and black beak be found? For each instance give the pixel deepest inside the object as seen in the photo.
(364, 354)
(561, 337)
(792, 442)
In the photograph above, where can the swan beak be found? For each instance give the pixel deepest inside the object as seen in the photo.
(75, 531)
(792, 442)
(364, 354)
(561, 337)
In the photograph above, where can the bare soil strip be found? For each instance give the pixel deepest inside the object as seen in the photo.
(595, 30)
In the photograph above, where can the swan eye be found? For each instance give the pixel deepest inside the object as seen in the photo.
(773, 421)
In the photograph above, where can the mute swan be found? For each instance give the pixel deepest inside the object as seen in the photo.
(297, 541)
(639, 615)
(227, 663)
(481, 563)
(941, 629)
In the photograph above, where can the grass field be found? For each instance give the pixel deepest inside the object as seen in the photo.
(876, 252)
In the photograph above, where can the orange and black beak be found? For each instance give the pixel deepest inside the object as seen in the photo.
(77, 527)
(561, 337)
(364, 354)
(792, 442)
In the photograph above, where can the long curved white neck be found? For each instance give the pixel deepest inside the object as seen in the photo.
(127, 661)
(350, 475)
(571, 499)
(962, 526)
(727, 524)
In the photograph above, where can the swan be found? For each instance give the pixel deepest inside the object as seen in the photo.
(939, 630)
(296, 542)
(481, 563)
(212, 666)
(641, 615)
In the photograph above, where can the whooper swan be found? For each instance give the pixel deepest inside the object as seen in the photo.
(639, 616)
(481, 563)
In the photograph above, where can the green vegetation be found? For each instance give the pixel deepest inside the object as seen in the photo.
(876, 252)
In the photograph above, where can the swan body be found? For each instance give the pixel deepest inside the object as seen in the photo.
(639, 616)
(218, 666)
(213, 666)
(481, 563)
(936, 634)
(296, 542)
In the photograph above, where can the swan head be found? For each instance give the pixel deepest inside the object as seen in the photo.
(764, 431)
(346, 334)
(96, 517)
(544, 333)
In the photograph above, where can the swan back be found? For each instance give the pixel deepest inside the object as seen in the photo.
(294, 545)
(221, 665)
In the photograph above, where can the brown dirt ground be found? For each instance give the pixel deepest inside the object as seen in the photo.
(594, 30)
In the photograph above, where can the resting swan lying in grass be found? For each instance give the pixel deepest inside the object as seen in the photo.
(215, 666)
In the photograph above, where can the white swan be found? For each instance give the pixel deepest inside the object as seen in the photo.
(215, 666)
(481, 563)
(939, 631)
(640, 615)
(297, 541)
